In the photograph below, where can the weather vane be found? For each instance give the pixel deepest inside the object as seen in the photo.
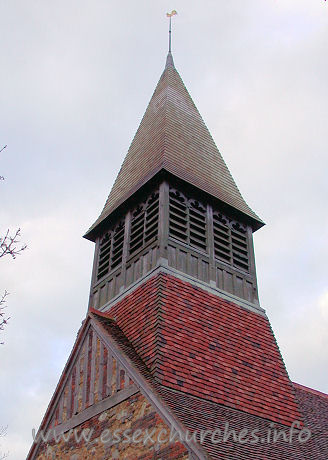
(169, 15)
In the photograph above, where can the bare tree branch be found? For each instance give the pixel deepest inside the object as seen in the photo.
(3, 322)
(8, 245)
(1, 177)
(3, 432)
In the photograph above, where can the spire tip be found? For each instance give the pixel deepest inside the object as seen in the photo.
(169, 60)
(169, 15)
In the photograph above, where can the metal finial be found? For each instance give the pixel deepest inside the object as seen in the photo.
(169, 15)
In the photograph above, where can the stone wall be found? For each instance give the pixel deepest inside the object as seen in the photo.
(132, 414)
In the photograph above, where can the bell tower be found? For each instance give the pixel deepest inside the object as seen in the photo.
(174, 205)
(174, 337)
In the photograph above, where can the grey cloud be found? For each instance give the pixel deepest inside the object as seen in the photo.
(75, 80)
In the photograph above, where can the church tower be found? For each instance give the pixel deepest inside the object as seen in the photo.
(174, 204)
(175, 339)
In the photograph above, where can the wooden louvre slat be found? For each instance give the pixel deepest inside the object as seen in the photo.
(144, 224)
(238, 249)
(136, 245)
(104, 255)
(181, 213)
(187, 220)
(137, 225)
(239, 240)
(181, 220)
(178, 225)
(222, 256)
(196, 220)
(136, 236)
(150, 219)
(151, 228)
(110, 250)
(153, 207)
(196, 214)
(230, 242)
(222, 247)
(198, 230)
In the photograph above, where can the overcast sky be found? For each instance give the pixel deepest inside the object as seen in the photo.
(76, 77)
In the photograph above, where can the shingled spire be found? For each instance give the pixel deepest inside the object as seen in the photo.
(172, 136)
(175, 340)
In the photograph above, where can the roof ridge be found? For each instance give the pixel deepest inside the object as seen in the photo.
(310, 390)
(166, 108)
(102, 314)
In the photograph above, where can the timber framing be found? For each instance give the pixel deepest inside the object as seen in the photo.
(195, 236)
(163, 267)
(141, 384)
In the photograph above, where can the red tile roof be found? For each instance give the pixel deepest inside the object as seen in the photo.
(173, 136)
(204, 412)
(200, 344)
(200, 414)
(314, 408)
(317, 393)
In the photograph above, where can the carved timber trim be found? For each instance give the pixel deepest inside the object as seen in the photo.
(195, 236)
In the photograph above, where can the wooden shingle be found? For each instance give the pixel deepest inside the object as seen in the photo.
(173, 136)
